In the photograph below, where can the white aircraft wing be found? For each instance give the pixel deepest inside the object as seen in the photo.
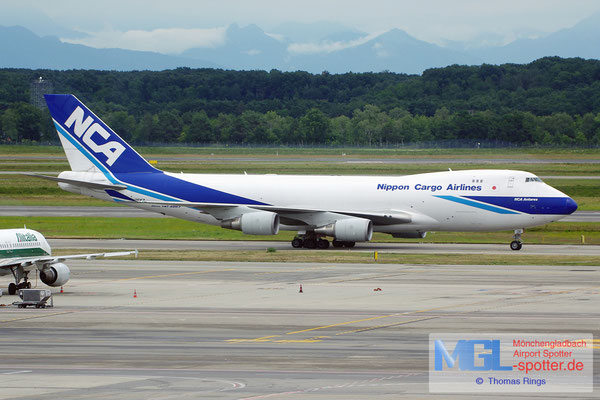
(49, 260)
(225, 211)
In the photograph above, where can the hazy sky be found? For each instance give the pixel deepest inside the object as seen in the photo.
(174, 25)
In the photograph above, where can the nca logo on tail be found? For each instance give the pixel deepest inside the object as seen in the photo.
(85, 128)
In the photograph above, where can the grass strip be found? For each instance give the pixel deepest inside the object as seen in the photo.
(354, 256)
(171, 228)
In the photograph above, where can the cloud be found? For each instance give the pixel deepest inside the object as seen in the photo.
(380, 51)
(327, 46)
(167, 41)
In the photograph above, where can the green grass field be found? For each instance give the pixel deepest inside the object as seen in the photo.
(171, 228)
(335, 256)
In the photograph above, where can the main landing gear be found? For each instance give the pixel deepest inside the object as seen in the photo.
(19, 274)
(310, 240)
(13, 287)
(516, 244)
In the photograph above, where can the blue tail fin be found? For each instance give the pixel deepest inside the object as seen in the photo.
(88, 142)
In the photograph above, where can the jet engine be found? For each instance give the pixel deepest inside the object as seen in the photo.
(255, 223)
(55, 275)
(349, 230)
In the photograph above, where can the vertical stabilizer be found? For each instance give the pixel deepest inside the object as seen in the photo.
(90, 144)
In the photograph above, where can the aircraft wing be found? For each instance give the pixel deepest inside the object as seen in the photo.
(49, 260)
(378, 217)
(226, 211)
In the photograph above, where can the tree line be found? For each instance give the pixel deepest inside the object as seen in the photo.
(549, 102)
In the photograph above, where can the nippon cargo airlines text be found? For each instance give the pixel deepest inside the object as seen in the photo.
(431, 188)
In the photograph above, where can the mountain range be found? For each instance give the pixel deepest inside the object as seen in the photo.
(335, 49)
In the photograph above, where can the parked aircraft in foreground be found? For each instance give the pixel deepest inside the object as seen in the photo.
(24, 250)
(347, 208)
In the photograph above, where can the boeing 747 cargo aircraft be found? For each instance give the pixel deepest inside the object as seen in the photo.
(346, 208)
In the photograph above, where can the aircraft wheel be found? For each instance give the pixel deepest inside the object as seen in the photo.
(337, 243)
(516, 245)
(323, 244)
(297, 243)
(310, 243)
(28, 285)
(12, 289)
(349, 244)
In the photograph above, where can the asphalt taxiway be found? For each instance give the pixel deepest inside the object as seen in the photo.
(221, 330)
(406, 247)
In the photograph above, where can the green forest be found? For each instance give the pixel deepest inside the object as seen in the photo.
(549, 102)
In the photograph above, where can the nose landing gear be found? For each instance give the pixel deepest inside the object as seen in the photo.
(516, 244)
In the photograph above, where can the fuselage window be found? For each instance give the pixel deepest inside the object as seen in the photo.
(533, 179)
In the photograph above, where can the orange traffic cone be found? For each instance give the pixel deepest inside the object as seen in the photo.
(300, 289)
(61, 289)
(134, 294)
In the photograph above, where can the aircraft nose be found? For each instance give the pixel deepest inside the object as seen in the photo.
(570, 205)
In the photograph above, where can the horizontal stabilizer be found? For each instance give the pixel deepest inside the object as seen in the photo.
(90, 185)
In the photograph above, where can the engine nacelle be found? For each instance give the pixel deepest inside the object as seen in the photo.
(55, 275)
(349, 230)
(255, 223)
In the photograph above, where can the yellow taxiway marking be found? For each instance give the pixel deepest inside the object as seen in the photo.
(36, 316)
(176, 274)
(260, 339)
(595, 343)
(343, 323)
(493, 302)
(369, 328)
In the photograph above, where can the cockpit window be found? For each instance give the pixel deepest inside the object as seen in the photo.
(533, 179)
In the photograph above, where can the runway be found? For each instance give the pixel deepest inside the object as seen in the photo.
(128, 212)
(243, 331)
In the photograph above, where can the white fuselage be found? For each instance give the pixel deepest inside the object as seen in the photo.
(440, 201)
(18, 244)
(347, 208)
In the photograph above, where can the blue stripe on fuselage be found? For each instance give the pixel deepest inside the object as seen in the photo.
(516, 205)
(532, 204)
(487, 207)
(118, 196)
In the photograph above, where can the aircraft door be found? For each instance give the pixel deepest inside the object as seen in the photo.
(511, 182)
